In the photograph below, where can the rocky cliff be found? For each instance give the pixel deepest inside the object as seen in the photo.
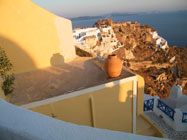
(160, 68)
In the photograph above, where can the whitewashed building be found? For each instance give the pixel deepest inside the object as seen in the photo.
(104, 35)
(161, 43)
(80, 34)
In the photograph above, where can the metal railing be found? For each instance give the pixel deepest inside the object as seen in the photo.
(184, 117)
(166, 109)
(148, 104)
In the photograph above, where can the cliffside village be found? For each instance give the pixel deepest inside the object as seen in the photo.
(96, 41)
(142, 50)
(100, 41)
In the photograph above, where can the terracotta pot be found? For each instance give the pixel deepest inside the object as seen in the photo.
(113, 66)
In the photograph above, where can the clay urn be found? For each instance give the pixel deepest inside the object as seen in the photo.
(113, 66)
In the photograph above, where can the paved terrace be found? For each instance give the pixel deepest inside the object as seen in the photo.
(57, 80)
(171, 133)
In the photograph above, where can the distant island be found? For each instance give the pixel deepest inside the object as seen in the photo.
(110, 15)
(86, 17)
(102, 16)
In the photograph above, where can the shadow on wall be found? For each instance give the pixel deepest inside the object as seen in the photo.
(56, 59)
(112, 107)
(125, 96)
(21, 61)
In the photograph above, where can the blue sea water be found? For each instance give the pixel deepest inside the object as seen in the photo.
(170, 25)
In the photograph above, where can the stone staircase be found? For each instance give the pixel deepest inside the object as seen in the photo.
(146, 127)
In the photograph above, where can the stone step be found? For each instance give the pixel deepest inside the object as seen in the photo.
(147, 132)
(141, 124)
(143, 127)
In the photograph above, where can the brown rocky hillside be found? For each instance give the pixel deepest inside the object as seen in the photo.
(160, 69)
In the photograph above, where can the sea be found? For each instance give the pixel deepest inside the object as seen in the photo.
(170, 25)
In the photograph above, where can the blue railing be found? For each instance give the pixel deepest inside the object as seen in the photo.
(184, 117)
(166, 109)
(148, 104)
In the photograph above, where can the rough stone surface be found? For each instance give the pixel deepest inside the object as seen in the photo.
(57, 80)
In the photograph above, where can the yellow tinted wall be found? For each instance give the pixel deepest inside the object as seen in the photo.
(2, 95)
(100, 109)
(33, 37)
(108, 108)
(140, 95)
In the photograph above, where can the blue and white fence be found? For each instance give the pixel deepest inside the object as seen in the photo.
(173, 117)
(184, 117)
(148, 104)
(166, 109)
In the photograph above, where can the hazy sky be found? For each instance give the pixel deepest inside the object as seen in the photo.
(74, 8)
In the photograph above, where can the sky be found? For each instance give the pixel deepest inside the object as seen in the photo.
(75, 8)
